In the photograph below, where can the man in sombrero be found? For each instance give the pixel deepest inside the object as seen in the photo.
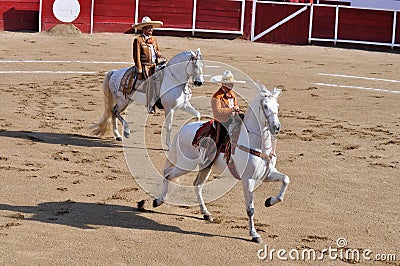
(146, 54)
(224, 105)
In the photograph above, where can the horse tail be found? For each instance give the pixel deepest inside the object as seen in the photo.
(104, 124)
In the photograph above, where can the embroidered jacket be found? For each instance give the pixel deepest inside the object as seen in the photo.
(220, 104)
(142, 51)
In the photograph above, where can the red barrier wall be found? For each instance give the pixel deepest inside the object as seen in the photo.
(174, 14)
(365, 25)
(82, 22)
(324, 22)
(221, 15)
(117, 17)
(295, 31)
(216, 17)
(21, 15)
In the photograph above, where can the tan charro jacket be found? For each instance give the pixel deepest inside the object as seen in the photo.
(142, 52)
(220, 104)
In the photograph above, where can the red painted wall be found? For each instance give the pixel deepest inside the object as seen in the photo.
(218, 15)
(174, 14)
(324, 22)
(365, 25)
(21, 15)
(117, 17)
(82, 22)
(295, 31)
(397, 40)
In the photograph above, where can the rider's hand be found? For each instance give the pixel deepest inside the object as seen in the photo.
(140, 76)
(236, 109)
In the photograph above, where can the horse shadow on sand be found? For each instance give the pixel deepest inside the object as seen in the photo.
(69, 139)
(59, 138)
(93, 215)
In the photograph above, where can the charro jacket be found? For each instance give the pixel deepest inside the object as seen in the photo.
(220, 104)
(142, 52)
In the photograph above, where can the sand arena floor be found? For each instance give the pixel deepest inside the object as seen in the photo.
(69, 198)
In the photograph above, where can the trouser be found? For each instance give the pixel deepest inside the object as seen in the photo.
(150, 87)
(221, 133)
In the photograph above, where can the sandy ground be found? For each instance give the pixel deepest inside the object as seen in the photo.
(69, 198)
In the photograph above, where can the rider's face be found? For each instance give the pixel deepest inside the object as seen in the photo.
(148, 30)
(228, 85)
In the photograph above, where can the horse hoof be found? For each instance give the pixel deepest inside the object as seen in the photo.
(208, 217)
(127, 134)
(157, 203)
(257, 240)
(140, 205)
(268, 202)
(119, 138)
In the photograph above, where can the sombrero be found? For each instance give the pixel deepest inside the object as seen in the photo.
(227, 77)
(146, 21)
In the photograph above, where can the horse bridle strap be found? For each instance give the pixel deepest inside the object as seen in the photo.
(265, 156)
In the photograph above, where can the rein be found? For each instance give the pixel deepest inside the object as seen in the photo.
(187, 75)
(264, 156)
(251, 151)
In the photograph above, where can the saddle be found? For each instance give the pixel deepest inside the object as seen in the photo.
(206, 137)
(128, 81)
(130, 77)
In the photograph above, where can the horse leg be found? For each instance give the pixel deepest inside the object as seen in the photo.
(115, 128)
(274, 176)
(201, 178)
(249, 200)
(159, 201)
(170, 172)
(169, 114)
(117, 113)
(191, 110)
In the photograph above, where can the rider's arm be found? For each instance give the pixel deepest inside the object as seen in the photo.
(136, 54)
(221, 112)
(156, 47)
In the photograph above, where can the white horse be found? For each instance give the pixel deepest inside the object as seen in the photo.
(254, 156)
(174, 93)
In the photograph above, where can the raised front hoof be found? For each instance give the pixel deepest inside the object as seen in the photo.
(257, 240)
(157, 203)
(268, 202)
(208, 218)
(119, 138)
(140, 205)
(127, 134)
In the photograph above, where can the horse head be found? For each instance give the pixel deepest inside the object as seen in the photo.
(270, 107)
(196, 68)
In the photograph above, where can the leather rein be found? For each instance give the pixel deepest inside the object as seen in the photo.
(251, 151)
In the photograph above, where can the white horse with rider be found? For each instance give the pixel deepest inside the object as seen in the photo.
(122, 87)
(253, 154)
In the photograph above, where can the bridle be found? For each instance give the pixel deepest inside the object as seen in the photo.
(264, 156)
(193, 60)
(266, 125)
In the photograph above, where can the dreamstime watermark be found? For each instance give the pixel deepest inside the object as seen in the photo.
(340, 252)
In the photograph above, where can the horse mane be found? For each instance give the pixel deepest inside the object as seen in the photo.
(174, 60)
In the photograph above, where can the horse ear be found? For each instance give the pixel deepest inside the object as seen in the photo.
(263, 90)
(276, 92)
(192, 53)
(198, 52)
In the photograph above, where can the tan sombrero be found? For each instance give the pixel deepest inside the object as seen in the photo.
(227, 77)
(146, 21)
